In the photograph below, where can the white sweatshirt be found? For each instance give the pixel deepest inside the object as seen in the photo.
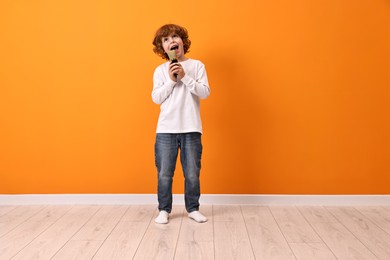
(180, 102)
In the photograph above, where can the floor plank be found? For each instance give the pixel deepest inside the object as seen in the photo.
(21, 236)
(227, 213)
(316, 214)
(266, 238)
(343, 243)
(78, 249)
(101, 224)
(55, 237)
(17, 216)
(50, 213)
(196, 240)
(90, 237)
(378, 215)
(374, 238)
(5, 209)
(310, 251)
(231, 240)
(294, 226)
(123, 242)
(160, 240)
(139, 213)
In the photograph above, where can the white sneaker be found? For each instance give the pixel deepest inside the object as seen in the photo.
(197, 216)
(162, 217)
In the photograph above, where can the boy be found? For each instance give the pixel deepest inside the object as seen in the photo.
(178, 88)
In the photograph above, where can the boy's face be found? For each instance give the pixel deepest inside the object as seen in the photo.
(174, 42)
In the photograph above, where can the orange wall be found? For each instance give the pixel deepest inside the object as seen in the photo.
(300, 98)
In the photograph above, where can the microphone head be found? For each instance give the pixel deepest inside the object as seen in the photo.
(172, 56)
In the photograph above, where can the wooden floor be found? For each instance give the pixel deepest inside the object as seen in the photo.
(232, 232)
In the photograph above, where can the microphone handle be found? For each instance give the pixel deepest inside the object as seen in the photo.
(175, 74)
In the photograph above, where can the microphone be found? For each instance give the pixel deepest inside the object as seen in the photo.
(172, 59)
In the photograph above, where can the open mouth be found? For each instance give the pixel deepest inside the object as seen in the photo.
(175, 47)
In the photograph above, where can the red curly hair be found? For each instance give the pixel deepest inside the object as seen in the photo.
(165, 31)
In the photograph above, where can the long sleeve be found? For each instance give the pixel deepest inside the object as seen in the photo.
(198, 86)
(162, 87)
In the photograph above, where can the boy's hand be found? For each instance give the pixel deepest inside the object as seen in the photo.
(176, 69)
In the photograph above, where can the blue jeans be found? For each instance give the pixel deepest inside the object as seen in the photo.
(166, 150)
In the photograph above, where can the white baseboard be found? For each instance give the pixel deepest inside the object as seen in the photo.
(206, 199)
